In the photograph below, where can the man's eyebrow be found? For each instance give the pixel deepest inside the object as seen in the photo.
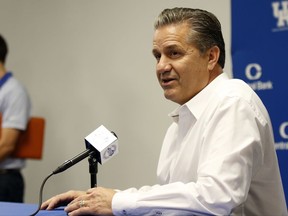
(167, 48)
(171, 47)
(155, 51)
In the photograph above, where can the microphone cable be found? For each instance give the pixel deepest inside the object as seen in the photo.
(41, 194)
(67, 164)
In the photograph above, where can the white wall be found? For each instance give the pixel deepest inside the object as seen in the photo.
(87, 63)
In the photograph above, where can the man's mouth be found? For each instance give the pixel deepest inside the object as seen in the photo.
(167, 81)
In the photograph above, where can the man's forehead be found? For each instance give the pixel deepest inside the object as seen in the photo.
(170, 37)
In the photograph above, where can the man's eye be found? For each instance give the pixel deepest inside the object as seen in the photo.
(174, 54)
(157, 57)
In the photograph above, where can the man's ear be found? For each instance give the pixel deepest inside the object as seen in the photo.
(214, 54)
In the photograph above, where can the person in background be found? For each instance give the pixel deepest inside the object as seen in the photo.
(15, 108)
(218, 155)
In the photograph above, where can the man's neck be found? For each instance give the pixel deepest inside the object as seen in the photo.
(215, 73)
(2, 70)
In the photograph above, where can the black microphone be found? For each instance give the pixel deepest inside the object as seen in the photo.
(101, 145)
(68, 163)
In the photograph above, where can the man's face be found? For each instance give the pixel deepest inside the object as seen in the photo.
(181, 70)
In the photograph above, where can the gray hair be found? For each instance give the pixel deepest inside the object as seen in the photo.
(205, 28)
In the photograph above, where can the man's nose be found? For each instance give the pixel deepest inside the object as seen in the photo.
(163, 65)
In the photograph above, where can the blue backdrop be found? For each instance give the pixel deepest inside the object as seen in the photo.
(260, 58)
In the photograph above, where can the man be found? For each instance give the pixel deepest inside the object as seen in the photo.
(218, 155)
(15, 111)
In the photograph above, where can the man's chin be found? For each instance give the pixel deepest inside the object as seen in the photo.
(171, 97)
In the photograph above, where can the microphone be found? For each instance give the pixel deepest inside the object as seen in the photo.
(101, 142)
(68, 163)
(104, 142)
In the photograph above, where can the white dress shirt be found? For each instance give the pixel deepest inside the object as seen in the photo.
(217, 158)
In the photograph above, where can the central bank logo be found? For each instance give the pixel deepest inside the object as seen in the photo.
(253, 73)
(280, 12)
(283, 130)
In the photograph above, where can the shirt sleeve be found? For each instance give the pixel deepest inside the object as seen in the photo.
(231, 153)
(17, 109)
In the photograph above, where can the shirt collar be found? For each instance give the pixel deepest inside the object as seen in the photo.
(198, 103)
(5, 78)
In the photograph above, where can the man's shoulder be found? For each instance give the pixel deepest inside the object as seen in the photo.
(235, 88)
(13, 86)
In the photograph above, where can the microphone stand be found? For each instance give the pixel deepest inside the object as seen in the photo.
(93, 169)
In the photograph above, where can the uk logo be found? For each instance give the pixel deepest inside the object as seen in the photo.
(110, 151)
(280, 12)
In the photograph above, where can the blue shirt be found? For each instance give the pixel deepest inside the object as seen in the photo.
(15, 107)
